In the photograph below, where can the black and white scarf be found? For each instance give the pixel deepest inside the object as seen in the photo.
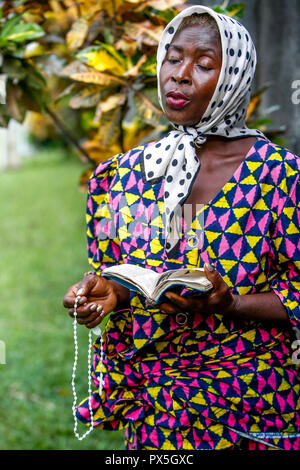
(174, 156)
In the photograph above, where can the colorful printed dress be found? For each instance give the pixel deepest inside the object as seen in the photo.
(211, 382)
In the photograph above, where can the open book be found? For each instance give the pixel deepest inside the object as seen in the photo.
(152, 285)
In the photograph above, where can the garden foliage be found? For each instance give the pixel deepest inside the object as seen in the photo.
(92, 59)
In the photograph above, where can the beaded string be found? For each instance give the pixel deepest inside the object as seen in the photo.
(97, 331)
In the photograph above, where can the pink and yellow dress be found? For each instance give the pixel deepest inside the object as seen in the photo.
(211, 382)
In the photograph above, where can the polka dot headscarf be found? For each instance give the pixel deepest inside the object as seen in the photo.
(174, 156)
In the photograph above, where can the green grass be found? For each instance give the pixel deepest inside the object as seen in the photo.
(43, 252)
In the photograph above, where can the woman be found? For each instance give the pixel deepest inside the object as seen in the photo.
(210, 372)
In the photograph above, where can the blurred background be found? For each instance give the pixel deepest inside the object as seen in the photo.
(78, 85)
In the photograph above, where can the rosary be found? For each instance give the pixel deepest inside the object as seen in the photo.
(97, 331)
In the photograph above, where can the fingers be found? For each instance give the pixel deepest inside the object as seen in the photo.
(69, 301)
(180, 304)
(69, 298)
(86, 309)
(90, 314)
(93, 322)
(89, 318)
(169, 308)
(86, 285)
(218, 300)
(81, 289)
(83, 310)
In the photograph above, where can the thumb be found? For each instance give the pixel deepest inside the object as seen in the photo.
(210, 271)
(213, 275)
(85, 286)
(209, 268)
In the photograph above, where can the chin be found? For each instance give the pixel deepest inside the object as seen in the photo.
(180, 121)
(184, 123)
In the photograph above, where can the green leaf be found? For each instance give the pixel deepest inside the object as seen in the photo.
(87, 120)
(33, 99)
(109, 131)
(15, 106)
(23, 32)
(112, 51)
(34, 78)
(74, 67)
(165, 15)
(237, 10)
(144, 107)
(101, 59)
(218, 9)
(149, 67)
(108, 104)
(259, 122)
(108, 36)
(86, 98)
(10, 24)
(14, 69)
(67, 92)
(77, 34)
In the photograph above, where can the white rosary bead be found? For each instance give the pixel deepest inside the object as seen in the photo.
(98, 332)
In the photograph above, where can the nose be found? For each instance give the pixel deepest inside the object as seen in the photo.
(182, 73)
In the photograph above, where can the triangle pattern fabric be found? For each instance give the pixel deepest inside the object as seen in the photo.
(206, 383)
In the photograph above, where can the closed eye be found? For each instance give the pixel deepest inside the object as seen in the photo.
(204, 68)
(173, 61)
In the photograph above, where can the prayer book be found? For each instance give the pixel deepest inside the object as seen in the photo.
(152, 285)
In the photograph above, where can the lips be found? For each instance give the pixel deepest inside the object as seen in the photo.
(176, 100)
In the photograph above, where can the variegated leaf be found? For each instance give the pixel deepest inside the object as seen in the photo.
(101, 60)
(98, 78)
(110, 128)
(110, 103)
(98, 152)
(87, 97)
(77, 34)
(160, 4)
(23, 32)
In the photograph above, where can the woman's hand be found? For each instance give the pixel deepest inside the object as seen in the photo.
(94, 291)
(218, 300)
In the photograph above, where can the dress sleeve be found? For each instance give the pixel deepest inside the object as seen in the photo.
(286, 244)
(103, 244)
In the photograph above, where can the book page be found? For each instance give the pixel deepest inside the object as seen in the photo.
(171, 272)
(144, 279)
(193, 278)
(191, 274)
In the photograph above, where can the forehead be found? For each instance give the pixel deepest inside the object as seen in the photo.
(201, 35)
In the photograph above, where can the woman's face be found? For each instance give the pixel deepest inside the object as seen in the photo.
(189, 74)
